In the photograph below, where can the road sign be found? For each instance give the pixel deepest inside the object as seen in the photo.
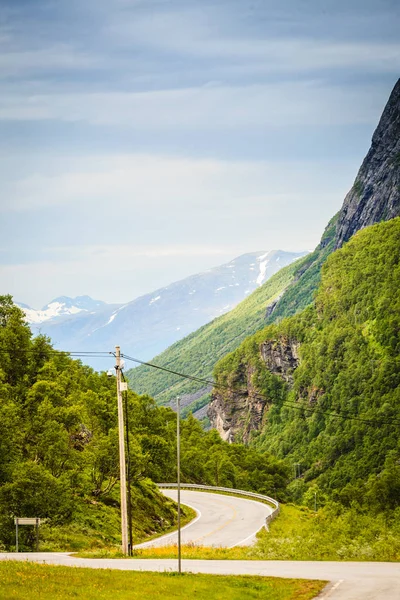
(26, 521)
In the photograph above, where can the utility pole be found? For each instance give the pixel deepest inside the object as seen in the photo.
(130, 532)
(122, 465)
(178, 477)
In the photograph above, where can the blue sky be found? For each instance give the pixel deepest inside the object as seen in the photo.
(143, 141)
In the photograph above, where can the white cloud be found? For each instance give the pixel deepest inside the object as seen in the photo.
(175, 217)
(117, 273)
(145, 185)
(193, 32)
(208, 108)
(57, 57)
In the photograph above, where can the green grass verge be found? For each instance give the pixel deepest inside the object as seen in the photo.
(301, 534)
(187, 515)
(24, 581)
(97, 527)
(332, 533)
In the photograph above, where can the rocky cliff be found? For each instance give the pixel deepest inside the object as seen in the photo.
(375, 195)
(237, 412)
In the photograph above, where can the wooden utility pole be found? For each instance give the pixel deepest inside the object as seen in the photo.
(178, 477)
(122, 465)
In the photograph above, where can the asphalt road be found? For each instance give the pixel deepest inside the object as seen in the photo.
(221, 520)
(230, 521)
(348, 580)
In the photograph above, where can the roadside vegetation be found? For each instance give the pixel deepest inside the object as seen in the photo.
(300, 533)
(339, 421)
(59, 455)
(23, 581)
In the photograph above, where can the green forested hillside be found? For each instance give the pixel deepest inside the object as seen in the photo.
(58, 446)
(59, 449)
(301, 292)
(292, 288)
(341, 419)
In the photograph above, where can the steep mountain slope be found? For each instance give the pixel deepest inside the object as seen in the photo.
(375, 195)
(198, 353)
(322, 387)
(149, 324)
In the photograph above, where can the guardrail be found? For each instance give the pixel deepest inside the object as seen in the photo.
(213, 488)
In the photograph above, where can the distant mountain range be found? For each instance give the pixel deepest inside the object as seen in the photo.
(149, 324)
(60, 307)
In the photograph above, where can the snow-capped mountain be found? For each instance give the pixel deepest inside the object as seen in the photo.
(149, 324)
(59, 307)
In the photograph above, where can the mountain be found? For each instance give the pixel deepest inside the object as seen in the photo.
(322, 387)
(198, 353)
(293, 288)
(375, 195)
(60, 307)
(149, 324)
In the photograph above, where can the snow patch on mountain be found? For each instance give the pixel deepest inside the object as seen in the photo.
(263, 261)
(111, 319)
(149, 324)
(59, 307)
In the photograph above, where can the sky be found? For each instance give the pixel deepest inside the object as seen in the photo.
(142, 141)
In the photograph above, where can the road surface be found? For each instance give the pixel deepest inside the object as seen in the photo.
(349, 580)
(221, 520)
(229, 521)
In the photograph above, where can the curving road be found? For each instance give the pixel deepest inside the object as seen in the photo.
(221, 520)
(230, 521)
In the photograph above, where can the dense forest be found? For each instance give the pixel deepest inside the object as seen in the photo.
(336, 414)
(59, 449)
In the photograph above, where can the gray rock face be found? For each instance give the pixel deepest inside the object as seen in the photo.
(281, 357)
(375, 195)
(235, 414)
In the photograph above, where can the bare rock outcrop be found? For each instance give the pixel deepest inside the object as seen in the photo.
(238, 411)
(375, 195)
(281, 357)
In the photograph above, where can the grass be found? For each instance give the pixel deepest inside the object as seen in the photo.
(332, 533)
(299, 534)
(23, 581)
(97, 527)
(188, 551)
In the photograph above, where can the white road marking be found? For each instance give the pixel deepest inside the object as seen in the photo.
(164, 537)
(331, 589)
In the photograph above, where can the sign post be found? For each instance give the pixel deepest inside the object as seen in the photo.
(27, 521)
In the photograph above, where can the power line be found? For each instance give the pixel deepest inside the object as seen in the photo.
(262, 397)
(74, 353)
(208, 382)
